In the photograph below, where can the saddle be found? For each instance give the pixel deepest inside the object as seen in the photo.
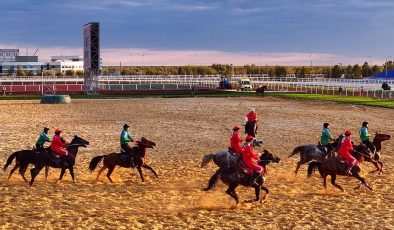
(124, 156)
(245, 169)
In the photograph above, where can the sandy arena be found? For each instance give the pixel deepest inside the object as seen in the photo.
(184, 131)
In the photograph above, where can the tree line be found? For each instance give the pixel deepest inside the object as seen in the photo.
(336, 71)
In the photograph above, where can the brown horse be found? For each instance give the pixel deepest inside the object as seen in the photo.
(260, 91)
(377, 142)
(333, 167)
(111, 160)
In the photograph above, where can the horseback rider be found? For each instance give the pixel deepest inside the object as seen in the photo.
(248, 155)
(42, 139)
(235, 142)
(344, 152)
(125, 138)
(58, 144)
(325, 137)
(364, 136)
(252, 120)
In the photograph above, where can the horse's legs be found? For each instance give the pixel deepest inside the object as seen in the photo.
(333, 178)
(362, 181)
(325, 181)
(212, 181)
(101, 171)
(110, 170)
(71, 169)
(266, 192)
(13, 170)
(61, 175)
(46, 172)
(140, 172)
(231, 191)
(257, 192)
(22, 171)
(298, 167)
(34, 172)
(151, 169)
(381, 166)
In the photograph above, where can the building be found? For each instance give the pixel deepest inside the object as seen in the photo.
(11, 68)
(65, 63)
(8, 55)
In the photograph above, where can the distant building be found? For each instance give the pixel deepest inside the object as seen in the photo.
(11, 68)
(64, 63)
(7, 55)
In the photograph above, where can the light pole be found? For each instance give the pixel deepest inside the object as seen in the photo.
(259, 64)
(385, 64)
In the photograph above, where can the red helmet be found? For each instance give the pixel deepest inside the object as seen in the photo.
(58, 131)
(348, 133)
(249, 138)
(235, 128)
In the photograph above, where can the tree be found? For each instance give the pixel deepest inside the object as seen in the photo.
(69, 72)
(301, 72)
(375, 70)
(366, 70)
(20, 72)
(280, 71)
(336, 71)
(357, 71)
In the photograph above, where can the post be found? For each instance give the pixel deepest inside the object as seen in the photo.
(42, 82)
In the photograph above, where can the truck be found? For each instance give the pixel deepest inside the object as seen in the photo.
(244, 84)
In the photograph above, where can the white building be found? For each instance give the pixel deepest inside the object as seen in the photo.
(8, 55)
(64, 63)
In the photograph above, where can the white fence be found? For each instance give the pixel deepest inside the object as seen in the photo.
(364, 87)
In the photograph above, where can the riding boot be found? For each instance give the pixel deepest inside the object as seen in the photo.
(132, 162)
(349, 167)
(255, 177)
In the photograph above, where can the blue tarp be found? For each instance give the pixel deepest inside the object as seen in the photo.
(389, 76)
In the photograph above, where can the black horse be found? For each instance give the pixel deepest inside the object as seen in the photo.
(315, 152)
(67, 162)
(251, 128)
(333, 167)
(260, 91)
(235, 176)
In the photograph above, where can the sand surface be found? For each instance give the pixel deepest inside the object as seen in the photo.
(184, 131)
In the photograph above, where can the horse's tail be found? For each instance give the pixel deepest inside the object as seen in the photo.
(312, 166)
(212, 182)
(94, 162)
(206, 159)
(10, 159)
(295, 151)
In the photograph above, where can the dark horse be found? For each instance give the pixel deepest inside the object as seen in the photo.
(260, 91)
(32, 156)
(377, 142)
(333, 167)
(47, 159)
(251, 128)
(235, 176)
(225, 158)
(314, 152)
(113, 159)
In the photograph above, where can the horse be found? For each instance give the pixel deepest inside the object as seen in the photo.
(67, 162)
(235, 176)
(333, 167)
(260, 91)
(377, 142)
(225, 158)
(23, 159)
(251, 128)
(113, 159)
(361, 153)
(314, 152)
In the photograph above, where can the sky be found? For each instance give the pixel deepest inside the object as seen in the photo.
(203, 32)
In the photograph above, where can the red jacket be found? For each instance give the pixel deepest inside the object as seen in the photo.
(248, 155)
(235, 143)
(57, 146)
(252, 116)
(344, 150)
